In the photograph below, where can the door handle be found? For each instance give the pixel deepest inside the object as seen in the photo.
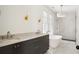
(18, 45)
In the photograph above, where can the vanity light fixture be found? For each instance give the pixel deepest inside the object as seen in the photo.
(26, 17)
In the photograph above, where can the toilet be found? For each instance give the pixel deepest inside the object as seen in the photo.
(54, 40)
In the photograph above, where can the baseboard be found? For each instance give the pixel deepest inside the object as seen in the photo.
(69, 40)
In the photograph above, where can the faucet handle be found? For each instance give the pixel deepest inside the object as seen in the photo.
(8, 34)
(2, 37)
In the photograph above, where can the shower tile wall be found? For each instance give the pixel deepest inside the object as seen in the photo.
(66, 26)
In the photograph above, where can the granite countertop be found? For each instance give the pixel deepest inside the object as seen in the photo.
(19, 38)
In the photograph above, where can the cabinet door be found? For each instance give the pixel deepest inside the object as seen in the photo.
(43, 44)
(36, 46)
(17, 48)
(6, 49)
(27, 47)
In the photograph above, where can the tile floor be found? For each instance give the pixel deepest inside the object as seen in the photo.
(66, 47)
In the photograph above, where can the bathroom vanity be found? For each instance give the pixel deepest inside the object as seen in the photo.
(31, 43)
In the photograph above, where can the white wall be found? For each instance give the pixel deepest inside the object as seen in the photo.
(77, 27)
(12, 19)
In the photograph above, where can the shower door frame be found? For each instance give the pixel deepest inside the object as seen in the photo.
(75, 31)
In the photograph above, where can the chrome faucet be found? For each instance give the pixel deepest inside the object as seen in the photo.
(8, 35)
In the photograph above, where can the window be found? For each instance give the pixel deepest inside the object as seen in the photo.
(45, 22)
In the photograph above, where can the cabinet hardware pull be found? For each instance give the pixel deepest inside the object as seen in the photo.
(15, 46)
(18, 45)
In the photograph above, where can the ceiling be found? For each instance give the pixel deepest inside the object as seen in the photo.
(65, 8)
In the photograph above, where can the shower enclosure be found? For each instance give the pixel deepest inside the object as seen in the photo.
(66, 26)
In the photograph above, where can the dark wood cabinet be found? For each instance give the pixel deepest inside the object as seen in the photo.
(6, 49)
(33, 46)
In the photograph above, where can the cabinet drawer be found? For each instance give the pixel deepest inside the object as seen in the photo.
(31, 42)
